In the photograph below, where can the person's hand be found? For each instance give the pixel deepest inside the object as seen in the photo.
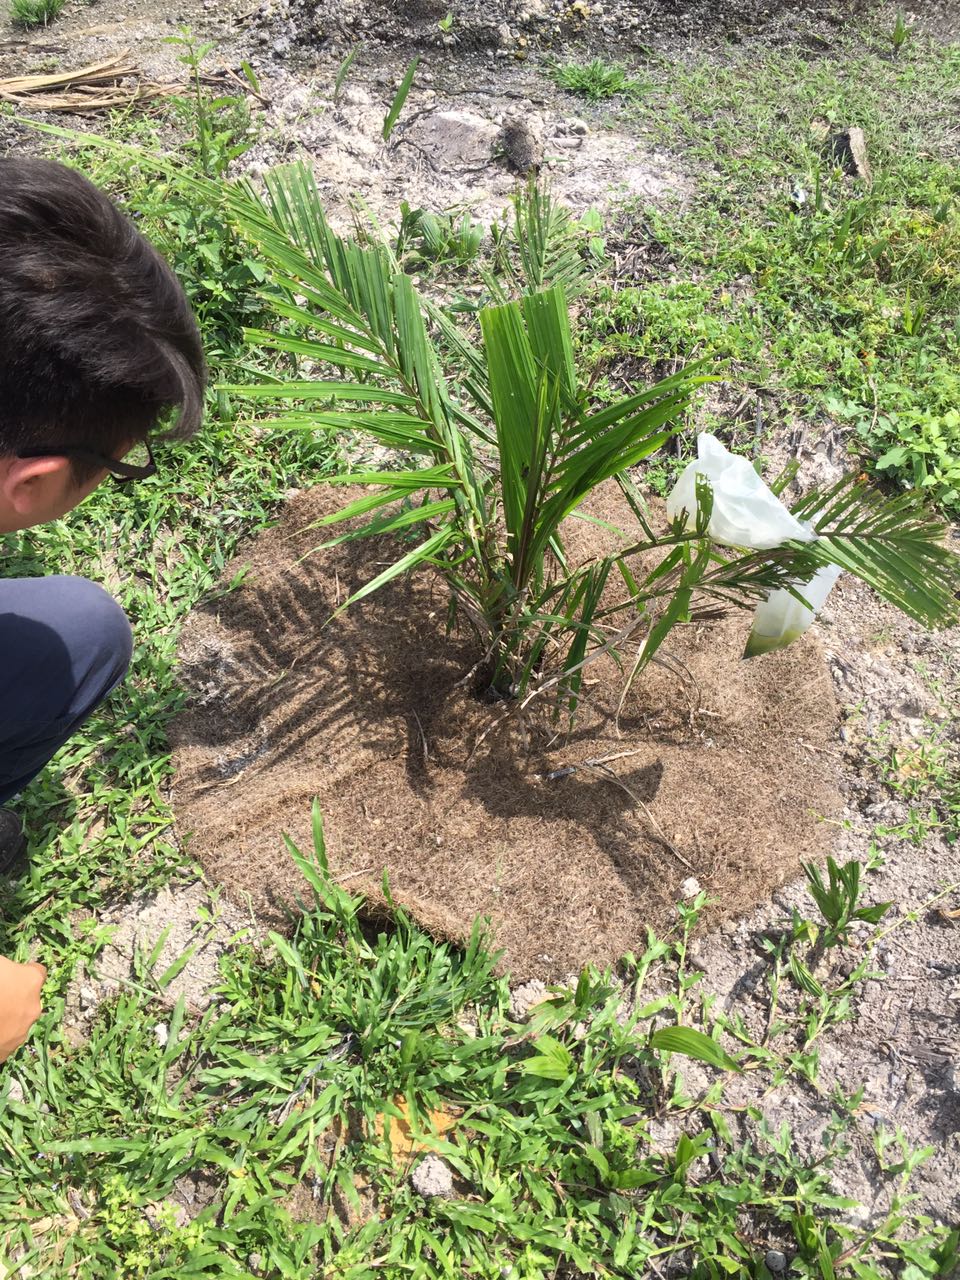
(19, 1002)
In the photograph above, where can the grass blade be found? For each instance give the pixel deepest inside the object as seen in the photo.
(344, 70)
(693, 1044)
(397, 105)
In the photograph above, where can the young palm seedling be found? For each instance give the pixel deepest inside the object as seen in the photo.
(509, 447)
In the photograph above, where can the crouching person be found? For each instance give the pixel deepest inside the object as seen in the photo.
(97, 345)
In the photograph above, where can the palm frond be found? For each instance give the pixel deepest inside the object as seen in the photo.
(371, 326)
(895, 545)
(425, 552)
(541, 248)
(390, 523)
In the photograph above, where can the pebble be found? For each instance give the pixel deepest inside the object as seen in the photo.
(775, 1261)
(432, 1177)
(526, 997)
(690, 887)
(14, 1091)
(73, 1035)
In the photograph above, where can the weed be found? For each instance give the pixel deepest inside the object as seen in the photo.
(925, 774)
(838, 901)
(396, 106)
(218, 127)
(596, 80)
(35, 13)
(437, 239)
(344, 70)
(900, 32)
(920, 450)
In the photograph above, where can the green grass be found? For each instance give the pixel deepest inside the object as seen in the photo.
(35, 13)
(286, 1082)
(582, 1147)
(846, 307)
(597, 81)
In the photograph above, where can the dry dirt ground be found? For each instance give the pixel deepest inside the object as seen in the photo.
(904, 1047)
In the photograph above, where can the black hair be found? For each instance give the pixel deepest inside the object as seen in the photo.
(97, 339)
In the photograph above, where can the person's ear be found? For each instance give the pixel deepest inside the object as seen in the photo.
(29, 484)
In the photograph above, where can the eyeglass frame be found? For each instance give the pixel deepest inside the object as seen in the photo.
(122, 472)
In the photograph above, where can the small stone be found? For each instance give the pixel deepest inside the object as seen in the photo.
(73, 1035)
(163, 1213)
(525, 998)
(162, 1033)
(15, 1091)
(848, 148)
(775, 1261)
(88, 998)
(432, 1177)
(690, 887)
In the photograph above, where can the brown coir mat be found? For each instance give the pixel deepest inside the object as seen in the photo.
(729, 785)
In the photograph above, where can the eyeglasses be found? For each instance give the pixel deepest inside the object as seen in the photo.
(137, 464)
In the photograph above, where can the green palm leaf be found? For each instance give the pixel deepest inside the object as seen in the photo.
(388, 524)
(894, 545)
(426, 551)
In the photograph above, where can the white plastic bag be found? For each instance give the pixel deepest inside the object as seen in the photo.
(745, 512)
(781, 619)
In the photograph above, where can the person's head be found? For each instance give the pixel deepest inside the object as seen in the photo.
(97, 342)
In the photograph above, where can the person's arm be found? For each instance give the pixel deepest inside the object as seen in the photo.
(20, 986)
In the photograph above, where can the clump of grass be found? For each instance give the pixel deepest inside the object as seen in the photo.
(596, 80)
(35, 13)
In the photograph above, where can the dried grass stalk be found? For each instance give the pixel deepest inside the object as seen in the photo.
(116, 82)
